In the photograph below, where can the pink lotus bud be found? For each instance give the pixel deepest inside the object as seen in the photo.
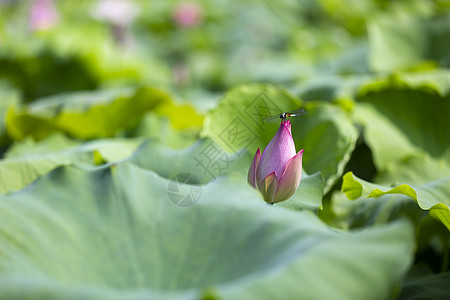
(43, 15)
(188, 14)
(277, 172)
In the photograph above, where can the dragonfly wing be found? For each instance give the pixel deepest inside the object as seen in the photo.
(298, 112)
(272, 119)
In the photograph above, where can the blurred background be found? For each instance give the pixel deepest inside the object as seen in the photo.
(124, 83)
(199, 49)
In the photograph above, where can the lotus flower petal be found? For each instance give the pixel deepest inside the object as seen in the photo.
(290, 179)
(276, 155)
(269, 187)
(278, 170)
(253, 167)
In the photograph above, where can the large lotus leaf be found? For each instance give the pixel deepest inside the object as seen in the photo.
(422, 283)
(28, 160)
(433, 196)
(431, 82)
(53, 143)
(402, 121)
(403, 43)
(96, 114)
(161, 129)
(205, 160)
(326, 132)
(17, 173)
(416, 169)
(111, 150)
(388, 143)
(435, 80)
(367, 212)
(337, 88)
(113, 233)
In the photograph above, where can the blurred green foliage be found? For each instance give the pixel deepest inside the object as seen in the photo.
(106, 105)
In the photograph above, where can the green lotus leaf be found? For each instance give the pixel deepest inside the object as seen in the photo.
(401, 123)
(96, 114)
(367, 212)
(422, 283)
(338, 88)
(161, 129)
(53, 143)
(415, 169)
(436, 80)
(205, 160)
(428, 81)
(28, 160)
(115, 232)
(433, 196)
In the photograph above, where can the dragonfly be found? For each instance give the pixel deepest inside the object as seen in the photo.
(285, 115)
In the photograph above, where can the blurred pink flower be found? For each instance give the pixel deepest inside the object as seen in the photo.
(43, 15)
(115, 12)
(278, 171)
(118, 15)
(188, 14)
